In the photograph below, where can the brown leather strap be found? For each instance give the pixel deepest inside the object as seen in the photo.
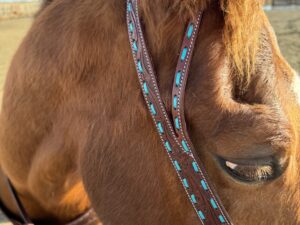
(18, 204)
(8, 215)
(23, 218)
(207, 193)
(174, 135)
(87, 218)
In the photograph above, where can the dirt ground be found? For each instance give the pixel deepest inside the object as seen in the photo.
(287, 27)
(286, 24)
(11, 34)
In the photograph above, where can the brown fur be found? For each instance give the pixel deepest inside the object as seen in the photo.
(73, 113)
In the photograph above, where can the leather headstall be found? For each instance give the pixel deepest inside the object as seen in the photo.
(22, 218)
(173, 131)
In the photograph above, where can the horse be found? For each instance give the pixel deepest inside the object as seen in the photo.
(75, 133)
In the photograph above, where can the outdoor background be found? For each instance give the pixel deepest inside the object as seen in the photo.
(16, 18)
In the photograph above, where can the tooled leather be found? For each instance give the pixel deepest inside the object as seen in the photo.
(212, 214)
(182, 132)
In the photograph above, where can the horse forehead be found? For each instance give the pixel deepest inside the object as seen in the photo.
(296, 86)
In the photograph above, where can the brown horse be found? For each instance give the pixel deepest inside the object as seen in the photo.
(75, 131)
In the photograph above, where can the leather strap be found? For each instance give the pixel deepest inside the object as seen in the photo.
(174, 135)
(87, 218)
(21, 211)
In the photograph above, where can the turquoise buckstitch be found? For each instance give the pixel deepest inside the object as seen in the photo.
(185, 147)
(135, 47)
(160, 128)
(193, 197)
(175, 102)
(204, 185)
(145, 86)
(184, 53)
(185, 183)
(152, 108)
(201, 215)
(195, 166)
(129, 7)
(131, 27)
(178, 78)
(221, 218)
(177, 125)
(140, 67)
(213, 203)
(178, 168)
(168, 146)
(190, 31)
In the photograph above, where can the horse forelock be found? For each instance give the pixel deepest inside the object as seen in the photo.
(241, 34)
(243, 22)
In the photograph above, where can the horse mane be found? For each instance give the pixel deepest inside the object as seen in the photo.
(243, 20)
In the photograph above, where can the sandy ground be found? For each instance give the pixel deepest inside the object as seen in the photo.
(286, 24)
(287, 27)
(11, 34)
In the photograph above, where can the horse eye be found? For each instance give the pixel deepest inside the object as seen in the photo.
(253, 173)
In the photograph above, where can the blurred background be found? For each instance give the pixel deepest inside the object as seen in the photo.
(16, 17)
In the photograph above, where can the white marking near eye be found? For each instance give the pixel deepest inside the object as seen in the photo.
(231, 165)
(296, 86)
